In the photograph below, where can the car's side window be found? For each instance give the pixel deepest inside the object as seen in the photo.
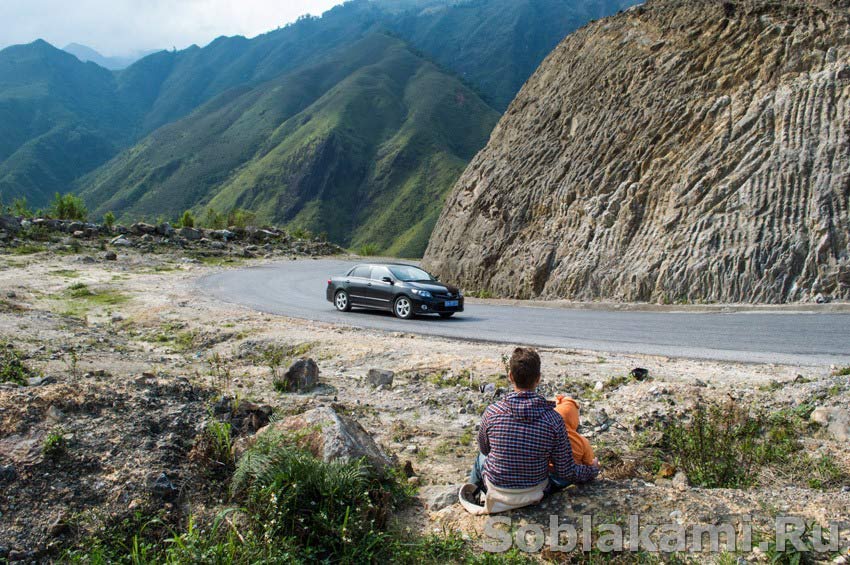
(379, 273)
(362, 272)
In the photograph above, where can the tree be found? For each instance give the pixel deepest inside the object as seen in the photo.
(68, 207)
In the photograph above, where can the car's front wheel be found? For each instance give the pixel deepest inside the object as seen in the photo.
(342, 301)
(403, 308)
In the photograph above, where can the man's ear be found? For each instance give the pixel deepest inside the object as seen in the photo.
(511, 377)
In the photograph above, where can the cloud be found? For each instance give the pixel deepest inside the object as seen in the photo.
(119, 27)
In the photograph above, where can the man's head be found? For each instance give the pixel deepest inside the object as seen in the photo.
(524, 368)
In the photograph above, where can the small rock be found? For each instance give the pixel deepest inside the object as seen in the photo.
(378, 377)
(8, 474)
(116, 318)
(489, 389)
(163, 487)
(700, 383)
(413, 481)
(55, 414)
(38, 381)
(302, 376)
(676, 515)
(58, 526)
(599, 386)
(412, 448)
(438, 497)
(639, 374)
(836, 421)
(217, 245)
(680, 481)
(110, 256)
(601, 417)
(408, 469)
(666, 471)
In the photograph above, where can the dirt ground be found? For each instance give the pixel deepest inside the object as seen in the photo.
(130, 361)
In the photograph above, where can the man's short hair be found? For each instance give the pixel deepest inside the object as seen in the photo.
(525, 367)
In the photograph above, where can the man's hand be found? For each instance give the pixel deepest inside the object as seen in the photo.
(596, 463)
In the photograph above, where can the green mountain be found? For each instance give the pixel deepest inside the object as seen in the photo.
(496, 44)
(362, 145)
(58, 117)
(197, 127)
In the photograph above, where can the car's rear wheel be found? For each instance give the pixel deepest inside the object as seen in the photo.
(342, 301)
(403, 308)
(446, 315)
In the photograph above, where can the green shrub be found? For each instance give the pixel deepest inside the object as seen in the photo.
(12, 367)
(241, 218)
(27, 249)
(214, 220)
(109, 220)
(479, 294)
(20, 207)
(726, 446)
(187, 220)
(301, 233)
(54, 444)
(843, 372)
(214, 449)
(68, 207)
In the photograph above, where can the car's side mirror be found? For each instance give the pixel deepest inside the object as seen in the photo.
(387, 280)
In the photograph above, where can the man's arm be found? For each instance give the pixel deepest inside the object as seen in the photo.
(562, 459)
(483, 440)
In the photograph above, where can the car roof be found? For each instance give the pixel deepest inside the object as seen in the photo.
(386, 265)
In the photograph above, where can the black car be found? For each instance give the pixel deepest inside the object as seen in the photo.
(404, 290)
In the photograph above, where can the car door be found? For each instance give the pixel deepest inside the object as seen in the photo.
(379, 291)
(357, 282)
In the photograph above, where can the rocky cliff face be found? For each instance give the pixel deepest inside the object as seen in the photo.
(682, 150)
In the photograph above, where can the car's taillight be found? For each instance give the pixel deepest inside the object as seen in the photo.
(329, 281)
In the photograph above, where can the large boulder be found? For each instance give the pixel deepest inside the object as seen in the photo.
(835, 420)
(225, 235)
(10, 224)
(328, 435)
(190, 233)
(141, 228)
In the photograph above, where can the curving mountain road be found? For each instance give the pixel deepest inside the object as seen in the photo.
(297, 289)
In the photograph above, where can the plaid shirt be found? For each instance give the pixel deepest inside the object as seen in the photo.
(520, 435)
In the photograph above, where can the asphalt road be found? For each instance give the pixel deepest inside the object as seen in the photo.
(297, 289)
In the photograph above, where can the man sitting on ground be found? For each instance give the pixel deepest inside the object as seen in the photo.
(519, 436)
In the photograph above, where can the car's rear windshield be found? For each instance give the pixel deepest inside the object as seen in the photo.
(408, 273)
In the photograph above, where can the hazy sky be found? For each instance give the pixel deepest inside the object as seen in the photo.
(119, 27)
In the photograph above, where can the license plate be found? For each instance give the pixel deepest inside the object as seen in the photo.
(451, 303)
